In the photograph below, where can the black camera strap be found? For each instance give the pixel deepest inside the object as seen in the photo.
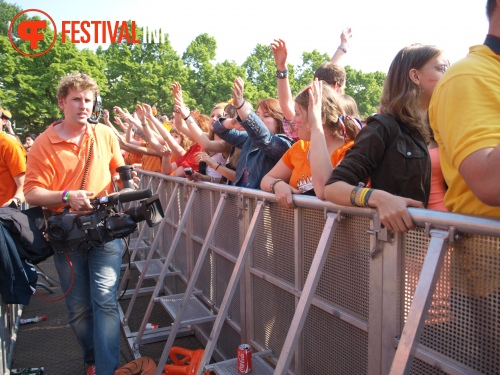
(87, 164)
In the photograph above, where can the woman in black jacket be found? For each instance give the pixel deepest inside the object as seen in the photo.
(391, 151)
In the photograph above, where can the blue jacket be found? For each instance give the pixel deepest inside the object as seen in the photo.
(260, 149)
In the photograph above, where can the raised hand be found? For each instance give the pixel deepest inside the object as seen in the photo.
(345, 36)
(278, 46)
(147, 110)
(139, 110)
(238, 90)
(315, 102)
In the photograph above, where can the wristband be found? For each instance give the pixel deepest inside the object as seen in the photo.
(368, 197)
(343, 48)
(362, 196)
(280, 74)
(218, 165)
(187, 117)
(65, 196)
(242, 104)
(354, 192)
(271, 186)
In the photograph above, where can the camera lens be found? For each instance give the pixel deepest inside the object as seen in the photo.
(57, 232)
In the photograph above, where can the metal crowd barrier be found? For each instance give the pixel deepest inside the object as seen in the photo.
(10, 314)
(421, 302)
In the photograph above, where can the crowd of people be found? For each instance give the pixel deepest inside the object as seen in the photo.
(433, 143)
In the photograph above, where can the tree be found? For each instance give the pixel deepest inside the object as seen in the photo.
(7, 13)
(129, 73)
(141, 73)
(305, 72)
(261, 74)
(366, 89)
(29, 84)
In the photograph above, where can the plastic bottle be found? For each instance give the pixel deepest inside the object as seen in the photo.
(36, 319)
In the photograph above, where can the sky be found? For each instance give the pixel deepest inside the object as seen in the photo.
(380, 28)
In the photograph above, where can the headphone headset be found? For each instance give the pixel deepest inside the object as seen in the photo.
(96, 110)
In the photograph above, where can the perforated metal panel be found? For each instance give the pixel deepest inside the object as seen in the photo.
(273, 310)
(227, 235)
(224, 270)
(332, 346)
(273, 246)
(180, 260)
(229, 342)
(345, 278)
(422, 368)
(202, 212)
(463, 322)
(205, 279)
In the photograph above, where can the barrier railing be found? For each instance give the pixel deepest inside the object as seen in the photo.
(10, 314)
(421, 302)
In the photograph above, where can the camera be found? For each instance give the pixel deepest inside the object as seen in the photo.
(83, 230)
(80, 231)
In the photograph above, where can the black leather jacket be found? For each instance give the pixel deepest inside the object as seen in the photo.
(394, 157)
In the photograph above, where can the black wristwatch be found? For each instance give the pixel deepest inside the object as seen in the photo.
(18, 201)
(281, 73)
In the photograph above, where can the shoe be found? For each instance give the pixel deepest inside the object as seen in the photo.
(90, 369)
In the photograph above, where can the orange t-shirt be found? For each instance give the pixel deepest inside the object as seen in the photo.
(296, 158)
(151, 163)
(132, 158)
(12, 164)
(56, 164)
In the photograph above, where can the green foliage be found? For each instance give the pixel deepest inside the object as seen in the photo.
(365, 88)
(7, 13)
(129, 73)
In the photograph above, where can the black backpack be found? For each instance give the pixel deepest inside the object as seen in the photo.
(26, 228)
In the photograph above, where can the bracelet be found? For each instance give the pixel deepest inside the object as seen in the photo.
(212, 179)
(272, 184)
(242, 104)
(218, 165)
(362, 196)
(343, 48)
(187, 117)
(65, 196)
(280, 74)
(354, 192)
(368, 197)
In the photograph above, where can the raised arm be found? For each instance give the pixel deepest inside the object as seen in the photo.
(180, 121)
(175, 148)
(285, 96)
(321, 165)
(342, 49)
(128, 118)
(272, 145)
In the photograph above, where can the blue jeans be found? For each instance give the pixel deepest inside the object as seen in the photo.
(92, 302)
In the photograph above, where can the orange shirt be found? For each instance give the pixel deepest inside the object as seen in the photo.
(12, 164)
(132, 158)
(296, 158)
(56, 164)
(151, 163)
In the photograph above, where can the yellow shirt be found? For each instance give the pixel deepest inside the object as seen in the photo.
(465, 115)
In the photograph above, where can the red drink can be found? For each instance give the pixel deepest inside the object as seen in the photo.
(244, 356)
